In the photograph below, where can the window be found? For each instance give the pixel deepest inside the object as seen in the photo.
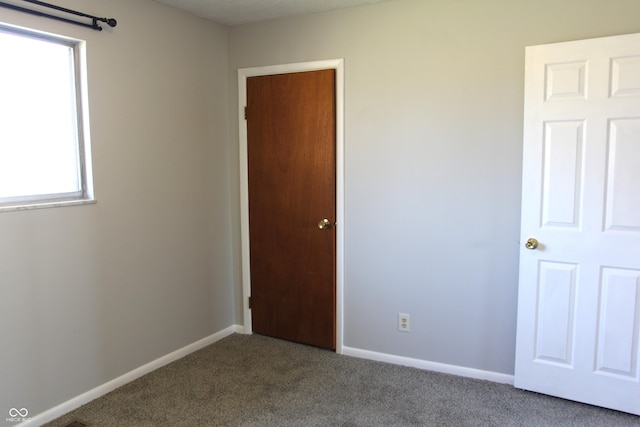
(44, 148)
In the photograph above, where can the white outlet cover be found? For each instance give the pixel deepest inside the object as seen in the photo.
(404, 322)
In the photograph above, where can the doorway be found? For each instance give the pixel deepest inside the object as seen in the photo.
(243, 76)
(578, 327)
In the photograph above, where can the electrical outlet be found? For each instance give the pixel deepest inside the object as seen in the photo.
(404, 322)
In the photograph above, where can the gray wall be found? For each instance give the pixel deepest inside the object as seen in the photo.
(91, 292)
(434, 111)
(433, 146)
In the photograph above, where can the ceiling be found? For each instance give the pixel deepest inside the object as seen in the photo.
(235, 12)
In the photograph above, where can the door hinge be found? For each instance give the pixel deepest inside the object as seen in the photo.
(245, 113)
(249, 302)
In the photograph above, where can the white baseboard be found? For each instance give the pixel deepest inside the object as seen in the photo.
(429, 366)
(90, 395)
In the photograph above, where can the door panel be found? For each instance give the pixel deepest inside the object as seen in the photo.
(623, 175)
(291, 180)
(579, 294)
(562, 192)
(618, 323)
(556, 310)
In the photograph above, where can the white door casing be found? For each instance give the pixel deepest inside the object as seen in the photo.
(243, 74)
(579, 293)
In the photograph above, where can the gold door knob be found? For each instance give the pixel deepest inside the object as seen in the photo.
(531, 244)
(325, 223)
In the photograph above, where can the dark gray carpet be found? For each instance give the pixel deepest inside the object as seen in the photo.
(258, 381)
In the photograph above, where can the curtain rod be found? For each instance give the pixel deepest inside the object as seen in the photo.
(94, 19)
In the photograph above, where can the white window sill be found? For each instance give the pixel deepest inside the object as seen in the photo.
(46, 205)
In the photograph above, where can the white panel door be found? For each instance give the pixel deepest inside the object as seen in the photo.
(579, 292)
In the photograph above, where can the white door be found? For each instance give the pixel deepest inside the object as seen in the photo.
(579, 292)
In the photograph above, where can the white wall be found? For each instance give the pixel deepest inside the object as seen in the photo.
(89, 293)
(434, 101)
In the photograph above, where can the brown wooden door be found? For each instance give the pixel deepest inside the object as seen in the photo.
(292, 186)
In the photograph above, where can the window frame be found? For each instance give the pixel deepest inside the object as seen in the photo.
(85, 194)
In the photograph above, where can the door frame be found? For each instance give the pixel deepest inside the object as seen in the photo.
(243, 74)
